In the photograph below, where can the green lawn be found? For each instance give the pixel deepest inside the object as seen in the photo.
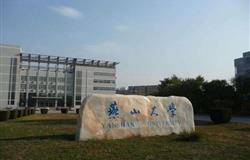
(51, 136)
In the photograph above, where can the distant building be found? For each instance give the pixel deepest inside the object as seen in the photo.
(242, 65)
(42, 80)
(143, 90)
(122, 90)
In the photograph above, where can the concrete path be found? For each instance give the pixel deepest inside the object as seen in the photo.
(238, 119)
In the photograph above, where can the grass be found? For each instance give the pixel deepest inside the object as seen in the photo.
(185, 136)
(51, 136)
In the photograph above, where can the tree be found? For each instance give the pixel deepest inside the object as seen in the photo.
(190, 88)
(218, 89)
(242, 85)
(218, 92)
(170, 86)
(202, 94)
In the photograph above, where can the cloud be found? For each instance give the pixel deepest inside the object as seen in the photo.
(103, 48)
(66, 11)
(121, 28)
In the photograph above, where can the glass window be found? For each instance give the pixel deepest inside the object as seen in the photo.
(104, 88)
(103, 74)
(103, 81)
(24, 78)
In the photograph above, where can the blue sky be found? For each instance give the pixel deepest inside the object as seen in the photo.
(152, 39)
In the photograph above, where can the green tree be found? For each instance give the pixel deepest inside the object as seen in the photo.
(218, 89)
(190, 88)
(218, 92)
(170, 86)
(242, 85)
(202, 94)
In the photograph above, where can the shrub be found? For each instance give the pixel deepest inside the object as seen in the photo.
(77, 111)
(64, 110)
(219, 103)
(13, 114)
(25, 112)
(44, 110)
(20, 112)
(33, 111)
(189, 136)
(4, 115)
(29, 111)
(221, 115)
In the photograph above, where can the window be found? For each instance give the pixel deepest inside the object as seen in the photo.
(78, 74)
(78, 98)
(78, 102)
(42, 86)
(69, 88)
(60, 87)
(52, 87)
(61, 79)
(105, 88)
(52, 79)
(32, 86)
(43, 79)
(23, 86)
(24, 78)
(104, 74)
(103, 81)
(33, 78)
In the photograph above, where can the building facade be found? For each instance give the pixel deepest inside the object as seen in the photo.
(42, 80)
(242, 65)
(143, 90)
(139, 90)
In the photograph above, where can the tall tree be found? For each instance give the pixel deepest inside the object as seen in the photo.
(190, 88)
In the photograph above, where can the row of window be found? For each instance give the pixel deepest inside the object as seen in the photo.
(61, 79)
(60, 87)
(103, 81)
(104, 74)
(105, 88)
(51, 87)
(34, 78)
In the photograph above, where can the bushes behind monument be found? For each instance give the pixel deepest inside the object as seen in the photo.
(203, 93)
(221, 115)
(7, 114)
(4, 115)
(13, 114)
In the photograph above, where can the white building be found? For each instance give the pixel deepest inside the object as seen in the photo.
(41, 80)
(242, 65)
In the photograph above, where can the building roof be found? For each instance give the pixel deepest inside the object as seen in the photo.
(66, 60)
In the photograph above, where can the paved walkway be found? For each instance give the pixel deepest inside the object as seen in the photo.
(238, 119)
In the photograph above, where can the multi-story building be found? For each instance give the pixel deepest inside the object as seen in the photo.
(42, 80)
(242, 65)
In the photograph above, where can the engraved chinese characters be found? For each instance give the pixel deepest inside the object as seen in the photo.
(121, 116)
(113, 110)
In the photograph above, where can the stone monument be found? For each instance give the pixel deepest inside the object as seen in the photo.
(122, 116)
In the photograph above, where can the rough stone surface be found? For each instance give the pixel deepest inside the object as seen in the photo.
(122, 116)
